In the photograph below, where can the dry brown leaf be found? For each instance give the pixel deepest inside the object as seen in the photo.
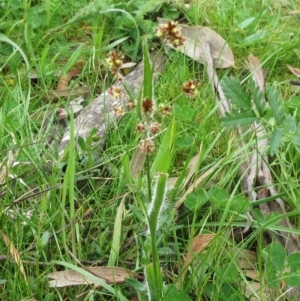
(63, 82)
(197, 244)
(257, 71)
(195, 38)
(294, 70)
(264, 292)
(191, 169)
(14, 253)
(246, 259)
(110, 275)
(137, 162)
(55, 95)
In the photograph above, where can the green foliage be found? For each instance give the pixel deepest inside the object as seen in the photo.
(269, 110)
(280, 267)
(195, 200)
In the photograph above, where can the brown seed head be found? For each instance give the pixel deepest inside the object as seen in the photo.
(190, 88)
(130, 104)
(119, 111)
(115, 92)
(114, 61)
(147, 146)
(147, 106)
(154, 127)
(140, 127)
(171, 32)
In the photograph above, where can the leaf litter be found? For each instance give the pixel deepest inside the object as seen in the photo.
(194, 45)
(110, 275)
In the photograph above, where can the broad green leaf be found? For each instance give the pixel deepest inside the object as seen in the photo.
(163, 157)
(276, 141)
(259, 217)
(273, 218)
(171, 294)
(184, 113)
(195, 201)
(116, 240)
(240, 204)
(244, 24)
(239, 118)
(219, 197)
(254, 38)
(275, 255)
(236, 92)
(292, 277)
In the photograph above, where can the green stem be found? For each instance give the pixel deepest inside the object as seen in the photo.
(148, 177)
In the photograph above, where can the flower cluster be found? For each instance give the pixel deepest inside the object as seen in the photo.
(190, 88)
(148, 126)
(171, 33)
(115, 61)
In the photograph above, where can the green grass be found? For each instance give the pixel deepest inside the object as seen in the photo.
(73, 201)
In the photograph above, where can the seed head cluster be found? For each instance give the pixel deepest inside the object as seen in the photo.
(147, 125)
(171, 32)
(114, 61)
(190, 87)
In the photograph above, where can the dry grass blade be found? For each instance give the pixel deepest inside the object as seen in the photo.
(294, 70)
(191, 169)
(197, 183)
(110, 275)
(5, 166)
(258, 73)
(14, 254)
(195, 38)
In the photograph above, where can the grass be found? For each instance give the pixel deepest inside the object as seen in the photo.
(54, 210)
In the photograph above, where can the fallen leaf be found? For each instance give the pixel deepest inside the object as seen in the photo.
(137, 162)
(264, 293)
(294, 70)
(110, 275)
(55, 95)
(195, 38)
(257, 71)
(192, 168)
(197, 244)
(63, 82)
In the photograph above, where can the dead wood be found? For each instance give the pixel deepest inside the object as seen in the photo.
(100, 114)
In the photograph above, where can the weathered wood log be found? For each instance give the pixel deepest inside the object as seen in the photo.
(100, 114)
